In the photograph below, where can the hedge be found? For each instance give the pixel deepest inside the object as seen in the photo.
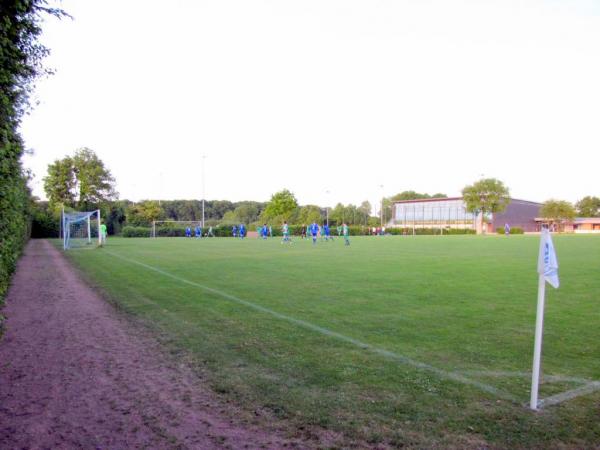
(130, 231)
(513, 230)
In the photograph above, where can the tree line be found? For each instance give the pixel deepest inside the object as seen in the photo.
(82, 182)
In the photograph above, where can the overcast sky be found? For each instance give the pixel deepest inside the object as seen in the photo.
(316, 96)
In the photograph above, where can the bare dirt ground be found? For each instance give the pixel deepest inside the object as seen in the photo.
(74, 373)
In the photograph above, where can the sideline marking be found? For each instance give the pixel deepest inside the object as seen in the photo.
(568, 395)
(546, 378)
(386, 353)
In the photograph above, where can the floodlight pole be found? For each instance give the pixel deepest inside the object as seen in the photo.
(203, 189)
(327, 208)
(381, 186)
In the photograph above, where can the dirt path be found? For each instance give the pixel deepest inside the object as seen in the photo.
(75, 374)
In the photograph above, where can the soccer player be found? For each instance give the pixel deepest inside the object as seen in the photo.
(314, 229)
(198, 231)
(327, 232)
(188, 232)
(210, 232)
(346, 234)
(285, 229)
(265, 231)
(103, 234)
(234, 231)
(303, 232)
(506, 229)
(242, 231)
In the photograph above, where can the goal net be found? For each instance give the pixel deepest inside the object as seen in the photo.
(81, 229)
(178, 228)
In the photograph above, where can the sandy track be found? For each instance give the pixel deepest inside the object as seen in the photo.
(75, 374)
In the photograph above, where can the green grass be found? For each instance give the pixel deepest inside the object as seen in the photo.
(462, 305)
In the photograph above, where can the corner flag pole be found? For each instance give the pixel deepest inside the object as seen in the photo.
(548, 272)
(537, 347)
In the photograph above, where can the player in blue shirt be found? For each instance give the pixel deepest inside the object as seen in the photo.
(265, 231)
(242, 231)
(314, 229)
(234, 231)
(188, 232)
(198, 231)
(327, 232)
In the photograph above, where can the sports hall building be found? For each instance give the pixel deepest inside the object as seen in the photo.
(445, 213)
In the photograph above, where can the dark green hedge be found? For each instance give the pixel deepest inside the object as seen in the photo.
(135, 232)
(513, 230)
(429, 231)
(20, 64)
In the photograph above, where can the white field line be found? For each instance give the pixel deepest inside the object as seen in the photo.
(568, 395)
(548, 378)
(382, 352)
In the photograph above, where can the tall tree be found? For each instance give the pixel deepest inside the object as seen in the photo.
(557, 212)
(80, 181)
(281, 206)
(588, 207)
(309, 214)
(60, 183)
(144, 213)
(487, 195)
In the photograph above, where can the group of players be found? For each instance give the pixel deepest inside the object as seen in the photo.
(313, 230)
(197, 232)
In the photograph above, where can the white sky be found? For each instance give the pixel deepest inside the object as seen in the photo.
(325, 95)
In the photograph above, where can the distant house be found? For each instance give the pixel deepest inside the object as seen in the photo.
(452, 213)
(578, 225)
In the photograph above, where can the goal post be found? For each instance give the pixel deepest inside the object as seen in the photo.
(175, 228)
(80, 228)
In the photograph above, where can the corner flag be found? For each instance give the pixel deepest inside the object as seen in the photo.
(548, 272)
(547, 263)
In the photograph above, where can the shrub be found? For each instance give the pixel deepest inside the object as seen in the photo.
(513, 230)
(430, 231)
(130, 231)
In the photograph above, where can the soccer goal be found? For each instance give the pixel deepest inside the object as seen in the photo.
(176, 228)
(81, 229)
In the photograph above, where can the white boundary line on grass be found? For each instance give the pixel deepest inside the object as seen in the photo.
(386, 353)
(568, 395)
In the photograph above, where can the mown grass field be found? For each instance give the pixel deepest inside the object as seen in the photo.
(408, 341)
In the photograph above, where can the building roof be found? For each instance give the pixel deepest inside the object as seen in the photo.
(437, 199)
(579, 220)
(419, 200)
(576, 220)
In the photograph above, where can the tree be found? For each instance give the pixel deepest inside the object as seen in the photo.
(80, 181)
(281, 206)
(60, 183)
(588, 207)
(246, 212)
(144, 213)
(557, 212)
(309, 214)
(412, 195)
(487, 195)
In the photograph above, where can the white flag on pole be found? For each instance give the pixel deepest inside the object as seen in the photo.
(547, 262)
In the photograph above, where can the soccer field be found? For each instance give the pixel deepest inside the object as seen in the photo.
(416, 341)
